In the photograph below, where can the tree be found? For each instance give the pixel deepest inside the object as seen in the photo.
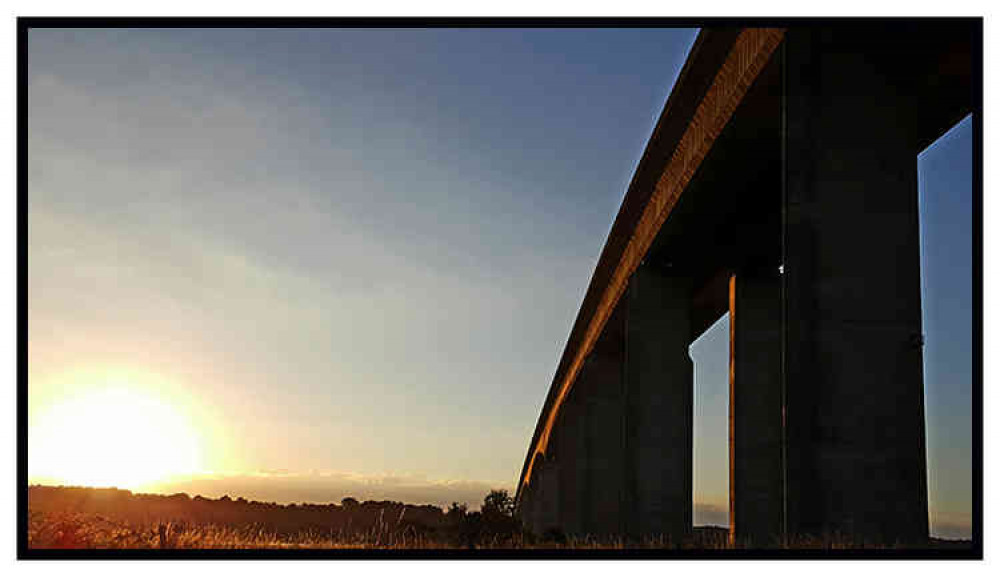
(498, 515)
(498, 503)
(456, 513)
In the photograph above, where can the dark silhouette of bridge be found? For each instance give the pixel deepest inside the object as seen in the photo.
(780, 186)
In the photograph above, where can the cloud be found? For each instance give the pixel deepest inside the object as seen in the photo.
(950, 525)
(711, 514)
(284, 486)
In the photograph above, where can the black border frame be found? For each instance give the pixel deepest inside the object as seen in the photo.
(23, 552)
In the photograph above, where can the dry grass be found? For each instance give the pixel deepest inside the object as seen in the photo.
(83, 531)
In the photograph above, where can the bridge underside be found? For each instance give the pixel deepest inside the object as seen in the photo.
(801, 222)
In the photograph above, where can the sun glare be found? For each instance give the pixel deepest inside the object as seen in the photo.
(120, 435)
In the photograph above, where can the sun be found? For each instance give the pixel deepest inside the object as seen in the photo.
(121, 436)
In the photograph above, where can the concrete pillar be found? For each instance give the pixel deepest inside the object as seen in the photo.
(856, 459)
(605, 476)
(543, 496)
(659, 405)
(526, 508)
(570, 446)
(756, 503)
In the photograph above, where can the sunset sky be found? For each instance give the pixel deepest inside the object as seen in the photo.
(300, 264)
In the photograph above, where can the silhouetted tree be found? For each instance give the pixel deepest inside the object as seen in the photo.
(471, 529)
(498, 521)
(456, 512)
(498, 503)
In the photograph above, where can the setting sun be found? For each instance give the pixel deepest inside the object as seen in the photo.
(118, 435)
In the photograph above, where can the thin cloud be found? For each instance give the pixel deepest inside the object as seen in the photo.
(284, 486)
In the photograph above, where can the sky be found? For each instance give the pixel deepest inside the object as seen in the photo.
(338, 262)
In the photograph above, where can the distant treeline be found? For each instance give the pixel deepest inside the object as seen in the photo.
(348, 518)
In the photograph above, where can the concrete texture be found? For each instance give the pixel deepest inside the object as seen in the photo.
(659, 384)
(604, 387)
(547, 497)
(854, 391)
(571, 454)
(755, 408)
(527, 506)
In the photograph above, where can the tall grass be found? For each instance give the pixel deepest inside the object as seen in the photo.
(83, 531)
(88, 531)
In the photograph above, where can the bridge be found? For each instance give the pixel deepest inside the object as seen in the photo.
(778, 187)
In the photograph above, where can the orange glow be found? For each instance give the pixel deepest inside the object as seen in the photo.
(118, 430)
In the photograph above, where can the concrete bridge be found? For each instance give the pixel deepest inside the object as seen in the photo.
(780, 187)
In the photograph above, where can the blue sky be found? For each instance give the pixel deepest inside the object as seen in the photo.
(945, 176)
(361, 251)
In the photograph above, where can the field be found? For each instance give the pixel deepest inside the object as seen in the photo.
(88, 518)
(88, 531)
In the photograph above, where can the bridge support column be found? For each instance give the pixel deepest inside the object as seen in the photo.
(571, 454)
(527, 507)
(856, 460)
(659, 406)
(603, 387)
(546, 497)
(756, 502)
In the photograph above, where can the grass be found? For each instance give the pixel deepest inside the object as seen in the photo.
(89, 531)
(85, 531)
